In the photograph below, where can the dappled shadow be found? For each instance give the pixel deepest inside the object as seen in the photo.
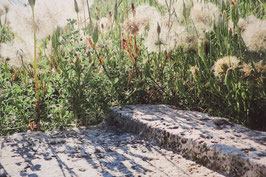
(212, 141)
(105, 151)
(3, 172)
(111, 150)
(27, 149)
(173, 118)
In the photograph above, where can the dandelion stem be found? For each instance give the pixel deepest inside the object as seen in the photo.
(89, 13)
(35, 66)
(125, 10)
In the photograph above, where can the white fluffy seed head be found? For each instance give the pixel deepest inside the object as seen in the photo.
(179, 9)
(223, 64)
(4, 9)
(254, 35)
(243, 23)
(4, 6)
(260, 66)
(163, 2)
(182, 8)
(204, 15)
(146, 16)
(15, 51)
(247, 69)
(171, 37)
(105, 24)
(49, 14)
(194, 71)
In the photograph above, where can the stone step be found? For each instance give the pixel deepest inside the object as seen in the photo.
(214, 142)
(94, 152)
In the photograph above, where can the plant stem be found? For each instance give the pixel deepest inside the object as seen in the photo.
(125, 10)
(89, 13)
(35, 68)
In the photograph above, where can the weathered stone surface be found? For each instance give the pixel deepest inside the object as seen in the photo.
(211, 141)
(97, 151)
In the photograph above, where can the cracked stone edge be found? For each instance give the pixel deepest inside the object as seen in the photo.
(226, 163)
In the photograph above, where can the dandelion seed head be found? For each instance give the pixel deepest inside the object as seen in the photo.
(83, 3)
(146, 16)
(64, 10)
(254, 36)
(247, 69)
(190, 40)
(182, 6)
(260, 67)
(49, 15)
(131, 26)
(252, 19)
(21, 23)
(83, 8)
(178, 7)
(180, 36)
(194, 70)
(222, 65)
(230, 25)
(154, 42)
(172, 36)
(4, 7)
(204, 15)
(166, 40)
(242, 24)
(105, 24)
(163, 2)
(14, 51)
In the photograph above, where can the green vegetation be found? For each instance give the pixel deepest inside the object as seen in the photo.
(84, 71)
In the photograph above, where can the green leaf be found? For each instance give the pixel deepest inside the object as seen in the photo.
(55, 39)
(95, 35)
(76, 6)
(115, 80)
(115, 10)
(226, 81)
(32, 3)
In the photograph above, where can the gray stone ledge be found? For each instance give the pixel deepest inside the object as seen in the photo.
(211, 141)
(100, 150)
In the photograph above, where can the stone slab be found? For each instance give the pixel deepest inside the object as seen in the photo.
(214, 142)
(96, 151)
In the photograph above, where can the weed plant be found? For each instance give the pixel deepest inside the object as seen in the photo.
(119, 55)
